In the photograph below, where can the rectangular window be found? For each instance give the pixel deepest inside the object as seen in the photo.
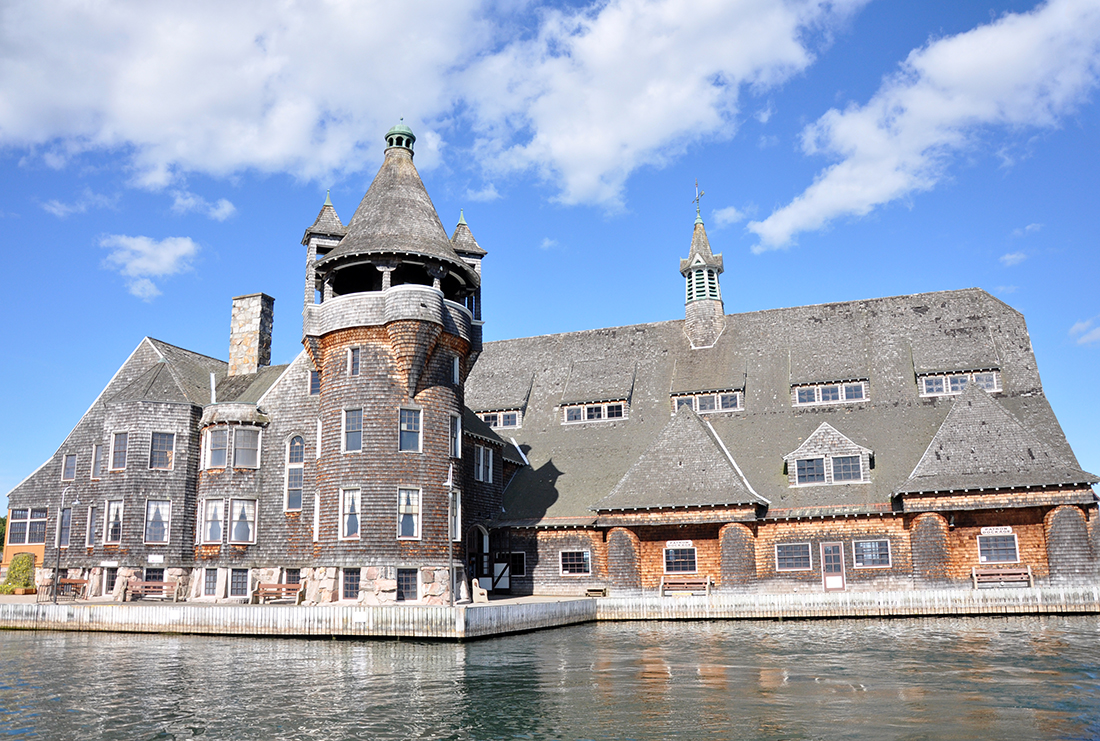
(493, 420)
(155, 573)
(17, 526)
(456, 516)
(509, 419)
(847, 468)
(573, 414)
(853, 392)
(210, 582)
(246, 448)
(110, 576)
(810, 470)
(238, 583)
(517, 561)
(997, 549)
(679, 560)
(407, 590)
(455, 436)
(730, 401)
(807, 396)
(483, 464)
(456, 370)
(292, 576)
(353, 430)
(593, 413)
(353, 361)
(685, 401)
(987, 381)
(792, 557)
(218, 447)
(36, 526)
(409, 434)
(162, 449)
(112, 528)
(242, 520)
(118, 451)
(705, 403)
(65, 528)
(99, 461)
(349, 513)
(933, 386)
(294, 477)
(213, 516)
(871, 554)
(68, 468)
(408, 513)
(157, 518)
(93, 526)
(314, 383)
(349, 588)
(957, 384)
(576, 562)
(614, 411)
(830, 393)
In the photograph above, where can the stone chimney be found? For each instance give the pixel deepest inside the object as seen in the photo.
(250, 333)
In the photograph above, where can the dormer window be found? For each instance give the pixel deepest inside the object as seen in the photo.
(507, 418)
(709, 402)
(950, 384)
(829, 393)
(828, 457)
(595, 412)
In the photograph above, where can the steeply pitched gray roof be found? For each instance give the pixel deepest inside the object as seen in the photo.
(463, 240)
(397, 217)
(700, 248)
(981, 446)
(684, 467)
(327, 223)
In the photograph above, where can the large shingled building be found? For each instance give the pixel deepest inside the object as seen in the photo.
(890, 443)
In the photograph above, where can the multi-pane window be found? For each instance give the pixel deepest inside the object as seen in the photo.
(210, 582)
(68, 468)
(679, 560)
(99, 461)
(576, 562)
(717, 401)
(455, 436)
(157, 517)
(217, 448)
(213, 516)
(409, 432)
(997, 549)
(28, 526)
(491, 418)
(408, 513)
(947, 384)
(154, 573)
(517, 563)
(162, 449)
(110, 578)
(246, 448)
(407, 585)
(295, 462)
(847, 468)
(829, 393)
(353, 430)
(314, 383)
(483, 464)
(353, 361)
(118, 450)
(869, 554)
(238, 582)
(594, 412)
(510, 418)
(112, 532)
(242, 520)
(65, 528)
(349, 588)
(810, 470)
(292, 576)
(792, 556)
(349, 513)
(93, 525)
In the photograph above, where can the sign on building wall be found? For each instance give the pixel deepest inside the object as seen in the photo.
(678, 544)
(998, 530)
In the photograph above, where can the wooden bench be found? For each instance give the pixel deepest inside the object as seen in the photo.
(1001, 577)
(162, 589)
(595, 592)
(685, 584)
(266, 592)
(69, 590)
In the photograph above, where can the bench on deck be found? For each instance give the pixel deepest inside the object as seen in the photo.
(162, 589)
(685, 584)
(1001, 577)
(68, 590)
(266, 592)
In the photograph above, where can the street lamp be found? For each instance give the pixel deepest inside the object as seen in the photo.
(60, 521)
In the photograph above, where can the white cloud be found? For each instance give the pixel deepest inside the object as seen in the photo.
(1007, 289)
(764, 114)
(728, 215)
(139, 259)
(184, 201)
(1085, 332)
(548, 243)
(1013, 258)
(488, 193)
(1021, 70)
(87, 200)
(1029, 229)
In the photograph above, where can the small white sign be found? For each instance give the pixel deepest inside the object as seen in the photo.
(678, 544)
(109, 564)
(156, 558)
(999, 530)
(359, 617)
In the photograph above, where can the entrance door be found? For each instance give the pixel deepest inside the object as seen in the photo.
(502, 571)
(832, 566)
(477, 556)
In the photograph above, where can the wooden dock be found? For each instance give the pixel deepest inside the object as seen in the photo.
(467, 622)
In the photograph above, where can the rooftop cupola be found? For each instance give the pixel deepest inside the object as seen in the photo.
(704, 313)
(400, 136)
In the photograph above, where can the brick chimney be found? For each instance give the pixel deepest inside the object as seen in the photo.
(250, 333)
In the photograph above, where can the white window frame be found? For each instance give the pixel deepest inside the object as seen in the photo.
(344, 431)
(456, 370)
(254, 522)
(418, 512)
(483, 464)
(310, 375)
(587, 563)
(237, 448)
(809, 556)
(946, 378)
(692, 400)
(419, 430)
(99, 463)
(207, 520)
(418, 585)
(355, 361)
(65, 475)
(497, 421)
(602, 407)
(856, 554)
(208, 447)
(842, 390)
(171, 452)
(494, 422)
(167, 524)
(351, 496)
(455, 436)
(90, 530)
(830, 477)
(125, 452)
(344, 572)
(61, 527)
(694, 558)
(316, 517)
(824, 471)
(1015, 541)
(300, 467)
(107, 521)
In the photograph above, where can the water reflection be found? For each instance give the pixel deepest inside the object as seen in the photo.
(902, 679)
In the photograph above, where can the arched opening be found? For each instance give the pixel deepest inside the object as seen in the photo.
(478, 564)
(411, 273)
(356, 279)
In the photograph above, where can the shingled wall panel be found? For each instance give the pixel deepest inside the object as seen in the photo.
(1068, 553)
(928, 536)
(738, 555)
(622, 560)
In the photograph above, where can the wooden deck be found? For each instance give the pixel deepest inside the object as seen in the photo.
(500, 617)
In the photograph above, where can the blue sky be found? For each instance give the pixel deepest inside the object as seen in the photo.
(158, 159)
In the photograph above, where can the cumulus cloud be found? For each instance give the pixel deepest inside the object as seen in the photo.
(488, 193)
(548, 243)
(728, 215)
(1086, 332)
(1029, 229)
(1013, 258)
(140, 259)
(87, 200)
(1023, 70)
(184, 201)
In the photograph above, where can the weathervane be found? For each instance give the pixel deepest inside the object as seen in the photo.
(698, 194)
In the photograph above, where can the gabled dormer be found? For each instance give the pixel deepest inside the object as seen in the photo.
(828, 457)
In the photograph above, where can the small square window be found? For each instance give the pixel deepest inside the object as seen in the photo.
(154, 574)
(593, 413)
(729, 401)
(68, 468)
(118, 450)
(407, 585)
(238, 583)
(314, 383)
(353, 430)
(807, 396)
(706, 403)
(987, 381)
(685, 401)
(933, 386)
(353, 361)
(997, 549)
(350, 586)
(614, 411)
(871, 553)
(162, 449)
(509, 419)
(810, 471)
(246, 448)
(830, 393)
(853, 391)
(958, 384)
(847, 468)
(576, 562)
(292, 576)
(218, 448)
(409, 433)
(493, 420)
(573, 414)
(792, 556)
(679, 560)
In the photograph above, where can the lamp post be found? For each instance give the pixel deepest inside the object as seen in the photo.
(60, 521)
(450, 484)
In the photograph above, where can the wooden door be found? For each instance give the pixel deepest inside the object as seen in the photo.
(832, 566)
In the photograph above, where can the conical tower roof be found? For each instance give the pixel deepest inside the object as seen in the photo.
(463, 239)
(397, 218)
(327, 223)
(700, 253)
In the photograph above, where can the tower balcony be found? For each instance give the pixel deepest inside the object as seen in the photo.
(378, 308)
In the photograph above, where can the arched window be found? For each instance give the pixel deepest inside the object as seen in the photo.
(295, 460)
